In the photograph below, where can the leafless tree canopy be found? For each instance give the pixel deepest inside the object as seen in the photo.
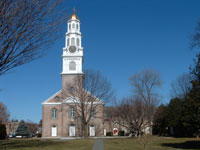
(145, 85)
(4, 115)
(131, 113)
(97, 85)
(181, 86)
(90, 93)
(26, 28)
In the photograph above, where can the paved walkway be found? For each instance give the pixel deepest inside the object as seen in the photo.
(98, 145)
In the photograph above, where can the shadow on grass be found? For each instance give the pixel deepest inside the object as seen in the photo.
(184, 145)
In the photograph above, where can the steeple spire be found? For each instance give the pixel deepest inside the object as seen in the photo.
(73, 50)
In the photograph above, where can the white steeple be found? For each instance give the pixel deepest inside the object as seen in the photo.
(73, 51)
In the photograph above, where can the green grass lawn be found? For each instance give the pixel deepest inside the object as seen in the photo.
(154, 143)
(41, 144)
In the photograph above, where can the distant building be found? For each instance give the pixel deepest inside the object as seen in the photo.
(33, 128)
(11, 127)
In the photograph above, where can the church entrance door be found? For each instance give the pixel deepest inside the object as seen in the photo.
(92, 131)
(53, 131)
(72, 130)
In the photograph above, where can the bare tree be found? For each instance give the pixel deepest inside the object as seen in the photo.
(26, 28)
(130, 113)
(89, 94)
(4, 114)
(181, 86)
(32, 127)
(144, 142)
(145, 85)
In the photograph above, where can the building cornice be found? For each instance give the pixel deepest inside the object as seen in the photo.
(72, 73)
(72, 56)
(78, 33)
(73, 20)
(51, 103)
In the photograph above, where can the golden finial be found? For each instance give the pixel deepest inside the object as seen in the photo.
(74, 16)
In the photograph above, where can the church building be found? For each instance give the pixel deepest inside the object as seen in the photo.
(58, 114)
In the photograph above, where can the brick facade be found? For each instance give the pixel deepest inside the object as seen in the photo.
(63, 119)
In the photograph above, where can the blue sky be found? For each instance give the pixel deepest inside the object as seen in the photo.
(120, 38)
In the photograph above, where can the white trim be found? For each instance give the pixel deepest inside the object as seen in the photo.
(46, 101)
(51, 103)
(89, 103)
(71, 100)
(75, 100)
(80, 73)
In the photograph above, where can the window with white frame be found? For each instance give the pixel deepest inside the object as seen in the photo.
(73, 41)
(92, 114)
(72, 65)
(71, 90)
(53, 113)
(77, 41)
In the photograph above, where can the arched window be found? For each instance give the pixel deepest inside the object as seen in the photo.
(77, 41)
(72, 65)
(69, 26)
(77, 26)
(73, 25)
(71, 90)
(68, 42)
(72, 112)
(53, 113)
(92, 114)
(73, 41)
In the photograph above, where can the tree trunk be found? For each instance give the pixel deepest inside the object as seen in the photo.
(85, 130)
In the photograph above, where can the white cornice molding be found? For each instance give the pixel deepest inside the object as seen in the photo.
(75, 32)
(79, 73)
(75, 100)
(70, 20)
(51, 103)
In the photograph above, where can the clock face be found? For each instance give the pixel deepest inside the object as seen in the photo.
(72, 49)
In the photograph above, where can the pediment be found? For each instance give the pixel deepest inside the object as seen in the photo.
(54, 99)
